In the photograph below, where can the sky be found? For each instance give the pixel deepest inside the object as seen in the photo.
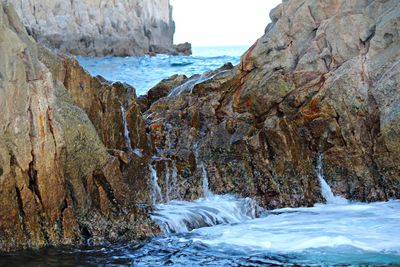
(221, 22)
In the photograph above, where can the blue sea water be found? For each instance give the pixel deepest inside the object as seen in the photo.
(354, 234)
(145, 72)
(223, 230)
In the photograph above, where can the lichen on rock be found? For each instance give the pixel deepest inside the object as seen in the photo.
(323, 80)
(61, 180)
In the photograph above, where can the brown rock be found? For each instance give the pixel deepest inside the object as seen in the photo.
(58, 185)
(322, 80)
(101, 100)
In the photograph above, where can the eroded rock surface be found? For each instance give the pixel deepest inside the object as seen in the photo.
(160, 90)
(98, 27)
(324, 79)
(66, 173)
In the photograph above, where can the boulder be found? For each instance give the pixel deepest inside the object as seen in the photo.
(184, 49)
(160, 90)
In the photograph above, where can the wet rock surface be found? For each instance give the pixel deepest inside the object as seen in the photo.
(160, 90)
(59, 185)
(322, 80)
(320, 87)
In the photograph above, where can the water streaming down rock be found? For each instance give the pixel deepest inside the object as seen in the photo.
(324, 235)
(156, 194)
(206, 190)
(190, 84)
(127, 139)
(184, 216)
(326, 190)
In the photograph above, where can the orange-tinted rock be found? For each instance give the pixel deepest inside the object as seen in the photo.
(58, 184)
(322, 80)
(101, 101)
(160, 90)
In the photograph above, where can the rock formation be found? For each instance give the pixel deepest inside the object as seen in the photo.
(160, 90)
(323, 80)
(322, 83)
(67, 175)
(98, 27)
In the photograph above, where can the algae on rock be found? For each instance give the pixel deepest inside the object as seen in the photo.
(58, 183)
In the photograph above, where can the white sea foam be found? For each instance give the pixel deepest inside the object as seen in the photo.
(184, 216)
(326, 190)
(370, 227)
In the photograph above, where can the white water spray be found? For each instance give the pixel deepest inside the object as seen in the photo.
(155, 188)
(127, 139)
(184, 216)
(326, 191)
(206, 190)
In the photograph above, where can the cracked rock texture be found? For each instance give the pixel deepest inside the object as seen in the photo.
(323, 80)
(66, 174)
(100, 27)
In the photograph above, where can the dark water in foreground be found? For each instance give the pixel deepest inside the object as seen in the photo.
(224, 230)
(326, 235)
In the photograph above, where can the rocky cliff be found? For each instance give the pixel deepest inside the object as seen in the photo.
(68, 174)
(98, 27)
(323, 81)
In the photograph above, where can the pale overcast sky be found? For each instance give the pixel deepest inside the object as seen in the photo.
(221, 22)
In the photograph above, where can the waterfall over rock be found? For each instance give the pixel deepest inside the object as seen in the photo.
(178, 216)
(127, 139)
(206, 190)
(324, 77)
(156, 194)
(184, 216)
(326, 190)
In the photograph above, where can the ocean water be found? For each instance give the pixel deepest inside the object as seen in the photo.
(355, 234)
(145, 72)
(226, 230)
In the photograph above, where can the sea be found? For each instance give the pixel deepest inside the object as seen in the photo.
(227, 230)
(144, 72)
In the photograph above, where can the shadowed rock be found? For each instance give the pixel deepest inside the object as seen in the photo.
(322, 80)
(162, 89)
(58, 184)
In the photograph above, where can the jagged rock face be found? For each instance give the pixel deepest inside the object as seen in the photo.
(58, 183)
(98, 27)
(101, 101)
(160, 90)
(324, 79)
